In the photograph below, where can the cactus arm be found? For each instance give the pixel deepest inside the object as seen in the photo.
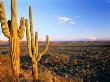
(44, 51)
(14, 23)
(21, 28)
(31, 30)
(28, 38)
(36, 44)
(4, 24)
(13, 11)
(47, 44)
(29, 42)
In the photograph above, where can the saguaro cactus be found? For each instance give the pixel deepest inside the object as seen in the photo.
(11, 31)
(32, 43)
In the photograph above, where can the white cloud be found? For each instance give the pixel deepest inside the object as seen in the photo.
(66, 19)
(72, 22)
(63, 19)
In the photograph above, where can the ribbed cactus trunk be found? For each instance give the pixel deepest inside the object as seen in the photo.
(32, 43)
(11, 31)
(14, 40)
(35, 72)
(15, 54)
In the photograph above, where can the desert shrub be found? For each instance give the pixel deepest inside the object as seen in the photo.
(4, 52)
(87, 63)
(25, 62)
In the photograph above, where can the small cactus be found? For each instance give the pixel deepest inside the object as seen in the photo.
(32, 43)
(11, 31)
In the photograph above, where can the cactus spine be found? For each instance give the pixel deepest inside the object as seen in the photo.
(32, 43)
(11, 31)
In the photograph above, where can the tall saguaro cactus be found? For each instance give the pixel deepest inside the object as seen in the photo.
(11, 31)
(32, 43)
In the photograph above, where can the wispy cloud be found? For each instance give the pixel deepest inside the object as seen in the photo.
(63, 19)
(72, 22)
(66, 19)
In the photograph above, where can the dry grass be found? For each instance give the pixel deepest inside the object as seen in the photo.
(45, 75)
(5, 69)
(50, 76)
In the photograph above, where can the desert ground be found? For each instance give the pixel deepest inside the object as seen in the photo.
(65, 61)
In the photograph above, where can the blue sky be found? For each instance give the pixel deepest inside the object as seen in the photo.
(66, 19)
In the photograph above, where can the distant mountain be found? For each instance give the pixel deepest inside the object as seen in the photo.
(64, 43)
(3, 42)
